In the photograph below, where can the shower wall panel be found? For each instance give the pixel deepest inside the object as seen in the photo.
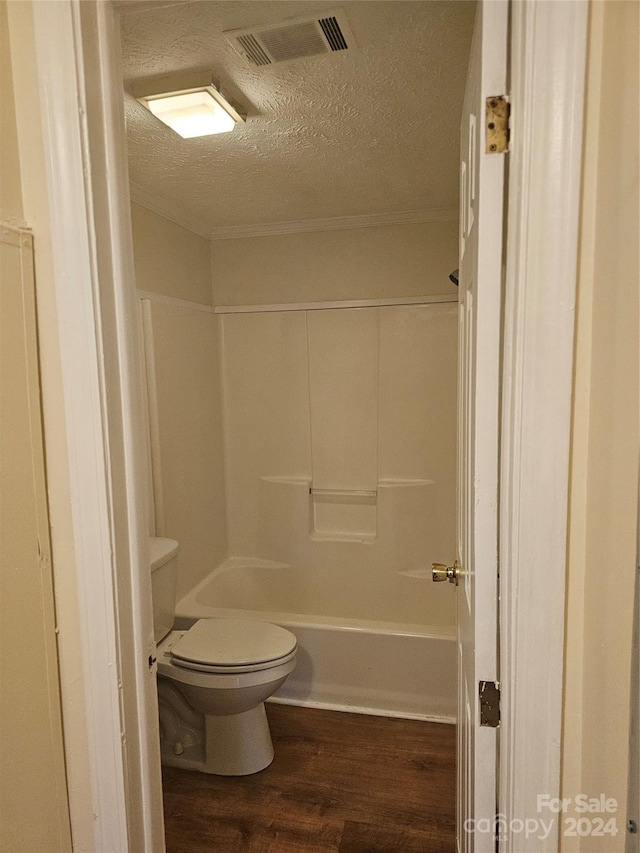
(417, 418)
(343, 383)
(340, 455)
(266, 405)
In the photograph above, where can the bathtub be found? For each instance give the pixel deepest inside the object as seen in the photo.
(344, 663)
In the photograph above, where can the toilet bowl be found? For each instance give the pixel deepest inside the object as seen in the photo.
(213, 680)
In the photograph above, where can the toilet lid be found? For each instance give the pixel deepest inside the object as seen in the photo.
(233, 642)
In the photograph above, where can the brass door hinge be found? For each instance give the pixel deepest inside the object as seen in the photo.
(497, 124)
(489, 703)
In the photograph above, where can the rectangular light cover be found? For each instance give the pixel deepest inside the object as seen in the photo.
(191, 114)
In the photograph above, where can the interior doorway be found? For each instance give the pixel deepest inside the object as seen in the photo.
(69, 120)
(300, 417)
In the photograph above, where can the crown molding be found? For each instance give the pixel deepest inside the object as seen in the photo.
(168, 210)
(338, 223)
(131, 7)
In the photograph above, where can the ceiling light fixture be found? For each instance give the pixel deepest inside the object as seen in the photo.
(191, 104)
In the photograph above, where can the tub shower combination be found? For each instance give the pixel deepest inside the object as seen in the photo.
(339, 466)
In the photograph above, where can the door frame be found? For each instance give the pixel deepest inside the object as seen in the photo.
(76, 64)
(548, 44)
(76, 148)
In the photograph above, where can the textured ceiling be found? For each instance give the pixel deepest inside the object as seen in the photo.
(373, 130)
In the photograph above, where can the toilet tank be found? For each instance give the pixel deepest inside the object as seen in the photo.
(163, 554)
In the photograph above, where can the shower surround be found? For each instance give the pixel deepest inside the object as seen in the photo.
(339, 453)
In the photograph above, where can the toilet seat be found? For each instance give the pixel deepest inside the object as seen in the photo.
(232, 646)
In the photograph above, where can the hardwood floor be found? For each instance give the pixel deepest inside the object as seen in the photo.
(345, 783)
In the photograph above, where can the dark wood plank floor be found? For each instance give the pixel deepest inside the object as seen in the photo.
(345, 783)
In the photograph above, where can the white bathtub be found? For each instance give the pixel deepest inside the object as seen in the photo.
(344, 663)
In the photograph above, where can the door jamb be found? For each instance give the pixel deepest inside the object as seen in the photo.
(111, 722)
(548, 67)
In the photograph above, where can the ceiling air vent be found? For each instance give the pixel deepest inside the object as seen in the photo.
(293, 39)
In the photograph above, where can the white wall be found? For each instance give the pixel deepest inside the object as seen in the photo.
(188, 468)
(604, 475)
(34, 809)
(10, 182)
(357, 263)
(183, 378)
(169, 259)
(31, 746)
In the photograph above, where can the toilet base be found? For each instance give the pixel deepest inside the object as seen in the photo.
(229, 745)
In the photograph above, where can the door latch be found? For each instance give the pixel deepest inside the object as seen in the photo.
(440, 572)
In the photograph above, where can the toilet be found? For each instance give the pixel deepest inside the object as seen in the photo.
(213, 680)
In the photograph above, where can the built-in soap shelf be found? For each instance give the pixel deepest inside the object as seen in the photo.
(404, 484)
(343, 515)
(343, 494)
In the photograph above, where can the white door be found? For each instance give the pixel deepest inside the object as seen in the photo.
(481, 237)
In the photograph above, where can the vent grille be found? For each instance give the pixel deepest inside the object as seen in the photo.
(293, 42)
(253, 50)
(294, 39)
(331, 29)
